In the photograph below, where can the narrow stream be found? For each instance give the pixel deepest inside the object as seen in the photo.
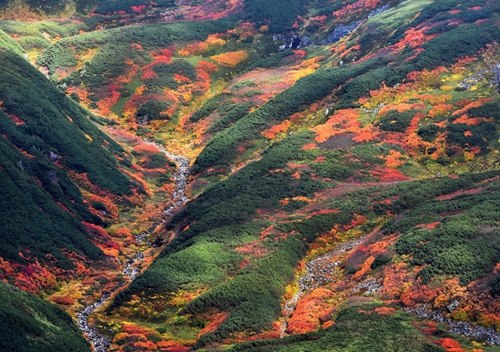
(131, 269)
(319, 271)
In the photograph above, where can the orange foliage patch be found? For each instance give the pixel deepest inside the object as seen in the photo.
(310, 311)
(341, 122)
(107, 103)
(470, 121)
(440, 109)
(215, 322)
(401, 107)
(181, 79)
(451, 345)
(130, 328)
(366, 267)
(230, 59)
(429, 226)
(146, 148)
(111, 207)
(256, 248)
(356, 7)
(309, 146)
(389, 175)
(305, 68)
(393, 160)
(63, 300)
(417, 294)
(472, 105)
(271, 132)
(385, 310)
(394, 278)
(414, 38)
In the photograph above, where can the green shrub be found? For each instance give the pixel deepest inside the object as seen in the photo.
(395, 121)
(30, 324)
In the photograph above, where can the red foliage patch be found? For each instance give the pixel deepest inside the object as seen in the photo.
(256, 248)
(172, 346)
(17, 120)
(450, 345)
(459, 193)
(216, 321)
(138, 8)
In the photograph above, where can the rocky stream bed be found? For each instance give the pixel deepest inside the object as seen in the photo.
(132, 267)
(319, 271)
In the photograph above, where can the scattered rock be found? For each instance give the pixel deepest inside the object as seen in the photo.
(53, 156)
(132, 266)
(52, 175)
(496, 71)
(453, 305)
(476, 332)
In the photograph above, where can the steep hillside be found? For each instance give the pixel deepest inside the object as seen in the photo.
(365, 117)
(344, 179)
(30, 324)
(47, 143)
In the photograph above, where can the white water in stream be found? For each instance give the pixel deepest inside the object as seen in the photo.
(131, 269)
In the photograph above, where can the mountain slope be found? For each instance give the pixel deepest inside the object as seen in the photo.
(344, 170)
(46, 138)
(28, 323)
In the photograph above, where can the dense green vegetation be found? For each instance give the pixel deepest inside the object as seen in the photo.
(8, 43)
(208, 107)
(395, 121)
(465, 244)
(41, 29)
(357, 328)
(27, 94)
(41, 207)
(229, 115)
(280, 15)
(29, 324)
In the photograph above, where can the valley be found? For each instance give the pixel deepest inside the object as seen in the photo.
(248, 175)
(133, 265)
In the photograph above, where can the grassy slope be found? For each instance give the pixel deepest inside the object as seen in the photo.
(30, 324)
